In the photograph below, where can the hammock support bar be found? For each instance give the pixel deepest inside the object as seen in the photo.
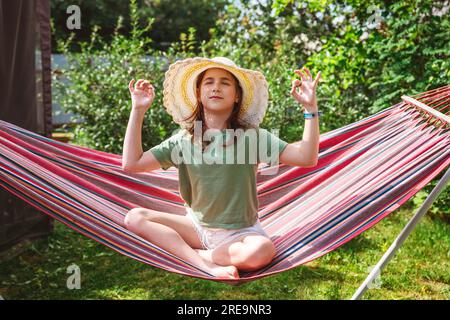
(424, 107)
(402, 236)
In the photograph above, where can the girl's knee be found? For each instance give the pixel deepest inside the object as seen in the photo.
(258, 257)
(135, 217)
(270, 250)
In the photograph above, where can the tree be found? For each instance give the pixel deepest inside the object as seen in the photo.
(171, 18)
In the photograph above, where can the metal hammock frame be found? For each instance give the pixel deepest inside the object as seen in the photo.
(440, 100)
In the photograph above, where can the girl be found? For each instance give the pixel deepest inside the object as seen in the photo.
(221, 232)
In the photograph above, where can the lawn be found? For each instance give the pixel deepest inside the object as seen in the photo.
(420, 270)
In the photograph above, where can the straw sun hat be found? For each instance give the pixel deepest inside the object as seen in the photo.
(180, 87)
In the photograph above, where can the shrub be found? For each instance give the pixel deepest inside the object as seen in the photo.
(96, 87)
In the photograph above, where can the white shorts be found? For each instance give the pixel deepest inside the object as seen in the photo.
(212, 238)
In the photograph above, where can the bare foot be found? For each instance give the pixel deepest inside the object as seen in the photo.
(215, 269)
(229, 272)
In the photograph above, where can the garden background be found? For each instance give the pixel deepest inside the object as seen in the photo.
(369, 53)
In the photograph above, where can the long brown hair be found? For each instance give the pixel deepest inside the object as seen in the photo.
(233, 121)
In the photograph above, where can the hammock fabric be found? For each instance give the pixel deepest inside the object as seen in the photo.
(366, 170)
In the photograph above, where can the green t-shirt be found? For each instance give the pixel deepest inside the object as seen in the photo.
(219, 184)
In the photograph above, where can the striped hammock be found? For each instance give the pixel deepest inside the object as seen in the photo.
(365, 171)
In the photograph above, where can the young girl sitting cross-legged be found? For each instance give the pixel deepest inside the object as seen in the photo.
(219, 107)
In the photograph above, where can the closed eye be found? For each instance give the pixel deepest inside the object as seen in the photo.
(209, 82)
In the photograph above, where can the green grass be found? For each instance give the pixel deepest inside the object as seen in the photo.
(420, 270)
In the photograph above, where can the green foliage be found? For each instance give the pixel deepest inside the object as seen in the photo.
(441, 205)
(171, 17)
(364, 68)
(412, 52)
(93, 13)
(97, 88)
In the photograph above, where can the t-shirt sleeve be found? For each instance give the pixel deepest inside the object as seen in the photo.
(163, 152)
(270, 146)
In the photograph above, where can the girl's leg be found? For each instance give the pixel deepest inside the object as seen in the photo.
(175, 234)
(250, 253)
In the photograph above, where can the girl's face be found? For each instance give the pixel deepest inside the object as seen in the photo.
(218, 83)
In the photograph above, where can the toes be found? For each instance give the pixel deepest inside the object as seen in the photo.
(234, 272)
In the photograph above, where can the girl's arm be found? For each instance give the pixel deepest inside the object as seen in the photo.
(305, 153)
(133, 157)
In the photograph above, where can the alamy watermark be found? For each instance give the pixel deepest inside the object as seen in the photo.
(74, 280)
(376, 282)
(375, 19)
(250, 147)
(74, 20)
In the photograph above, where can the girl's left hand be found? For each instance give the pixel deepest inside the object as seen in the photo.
(306, 94)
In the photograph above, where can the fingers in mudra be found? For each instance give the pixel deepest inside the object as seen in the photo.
(131, 86)
(304, 77)
(307, 77)
(295, 84)
(297, 87)
(304, 90)
(148, 88)
(141, 88)
(139, 84)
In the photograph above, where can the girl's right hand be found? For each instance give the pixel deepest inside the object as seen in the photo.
(142, 94)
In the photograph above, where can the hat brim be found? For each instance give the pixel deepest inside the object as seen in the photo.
(180, 89)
